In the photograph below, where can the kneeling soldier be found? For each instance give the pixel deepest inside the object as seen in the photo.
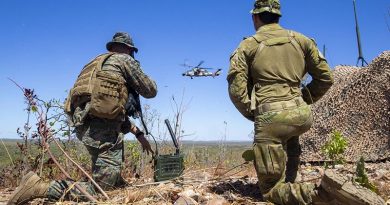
(96, 104)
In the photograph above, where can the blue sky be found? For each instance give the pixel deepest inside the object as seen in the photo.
(46, 43)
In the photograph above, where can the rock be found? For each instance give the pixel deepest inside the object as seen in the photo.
(217, 201)
(379, 173)
(320, 171)
(305, 171)
(206, 198)
(170, 185)
(313, 173)
(185, 201)
(338, 166)
(188, 193)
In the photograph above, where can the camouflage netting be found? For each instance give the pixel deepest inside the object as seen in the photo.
(358, 105)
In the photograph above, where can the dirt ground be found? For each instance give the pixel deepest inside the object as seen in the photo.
(220, 186)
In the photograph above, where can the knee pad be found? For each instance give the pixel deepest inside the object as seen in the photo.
(270, 159)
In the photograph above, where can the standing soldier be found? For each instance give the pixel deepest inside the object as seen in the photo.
(264, 79)
(96, 105)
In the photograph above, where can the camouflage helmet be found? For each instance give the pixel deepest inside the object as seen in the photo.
(271, 6)
(121, 38)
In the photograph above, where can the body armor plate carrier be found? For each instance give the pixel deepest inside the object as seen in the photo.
(106, 92)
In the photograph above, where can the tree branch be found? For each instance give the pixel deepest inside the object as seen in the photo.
(81, 169)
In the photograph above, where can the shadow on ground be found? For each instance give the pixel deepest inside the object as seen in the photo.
(239, 188)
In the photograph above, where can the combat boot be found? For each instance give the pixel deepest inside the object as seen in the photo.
(338, 190)
(30, 187)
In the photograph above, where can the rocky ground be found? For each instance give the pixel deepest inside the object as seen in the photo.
(216, 187)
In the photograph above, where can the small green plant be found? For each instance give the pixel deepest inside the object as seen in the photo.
(362, 178)
(335, 148)
(133, 155)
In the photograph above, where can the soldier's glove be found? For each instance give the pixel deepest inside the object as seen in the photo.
(126, 126)
(144, 143)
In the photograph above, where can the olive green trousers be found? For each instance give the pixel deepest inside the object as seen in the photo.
(276, 147)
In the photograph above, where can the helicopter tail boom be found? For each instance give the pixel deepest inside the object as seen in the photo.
(217, 73)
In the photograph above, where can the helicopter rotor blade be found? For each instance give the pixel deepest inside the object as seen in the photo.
(200, 63)
(186, 65)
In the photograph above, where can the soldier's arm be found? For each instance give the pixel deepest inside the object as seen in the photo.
(138, 80)
(129, 126)
(320, 72)
(239, 83)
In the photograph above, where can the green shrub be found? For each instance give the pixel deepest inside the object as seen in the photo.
(362, 178)
(133, 152)
(335, 148)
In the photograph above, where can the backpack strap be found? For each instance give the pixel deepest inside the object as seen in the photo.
(260, 40)
(295, 43)
(265, 41)
(102, 58)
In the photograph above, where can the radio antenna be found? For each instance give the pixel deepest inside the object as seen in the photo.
(324, 50)
(360, 58)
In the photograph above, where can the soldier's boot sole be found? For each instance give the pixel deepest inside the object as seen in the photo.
(30, 187)
(347, 192)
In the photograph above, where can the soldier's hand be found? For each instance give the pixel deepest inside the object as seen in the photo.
(145, 144)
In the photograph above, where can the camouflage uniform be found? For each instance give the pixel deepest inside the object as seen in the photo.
(264, 84)
(103, 137)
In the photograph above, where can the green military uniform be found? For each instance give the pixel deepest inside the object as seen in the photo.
(103, 137)
(264, 79)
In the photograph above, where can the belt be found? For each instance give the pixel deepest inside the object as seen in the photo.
(281, 105)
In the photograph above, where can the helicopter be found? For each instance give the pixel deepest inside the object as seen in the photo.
(197, 71)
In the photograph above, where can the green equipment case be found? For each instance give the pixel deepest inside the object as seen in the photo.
(169, 166)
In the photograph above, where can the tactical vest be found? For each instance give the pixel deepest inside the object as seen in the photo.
(106, 92)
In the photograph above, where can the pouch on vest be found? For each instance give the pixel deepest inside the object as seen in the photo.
(107, 95)
(106, 92)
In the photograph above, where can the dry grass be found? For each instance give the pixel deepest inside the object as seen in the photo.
(205, 186)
